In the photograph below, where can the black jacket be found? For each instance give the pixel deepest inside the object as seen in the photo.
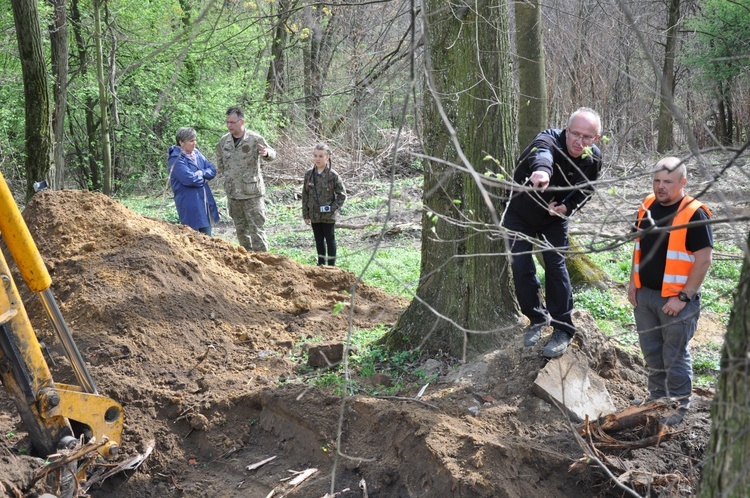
(548, 152)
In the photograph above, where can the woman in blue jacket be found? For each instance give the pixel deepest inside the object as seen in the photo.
(189, 172)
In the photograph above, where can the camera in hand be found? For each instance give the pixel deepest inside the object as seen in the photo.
(325, 209)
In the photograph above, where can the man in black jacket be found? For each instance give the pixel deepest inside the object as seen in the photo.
(552, 180)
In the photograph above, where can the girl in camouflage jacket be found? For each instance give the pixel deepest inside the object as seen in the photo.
(323, 194)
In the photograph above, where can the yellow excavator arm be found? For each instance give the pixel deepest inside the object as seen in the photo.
(46, 408)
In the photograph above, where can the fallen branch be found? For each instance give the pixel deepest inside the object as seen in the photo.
(260, 464)
(338, 493)
(630, 418)
(401, 398)
(131, 463)
(69, 456)
(298, 478)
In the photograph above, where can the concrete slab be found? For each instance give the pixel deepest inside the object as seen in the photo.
(569, 382)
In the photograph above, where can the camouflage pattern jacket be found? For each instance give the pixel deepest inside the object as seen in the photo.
(325, 189)
(241, 165)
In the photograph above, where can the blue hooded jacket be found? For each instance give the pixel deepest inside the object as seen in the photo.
(192, 195)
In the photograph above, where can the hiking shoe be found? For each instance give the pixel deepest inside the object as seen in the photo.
(676, 417)
(533, 334)
(642, 401)
(557, 344)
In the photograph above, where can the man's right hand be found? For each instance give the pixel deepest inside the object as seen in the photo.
(632, 290)
(539, 179)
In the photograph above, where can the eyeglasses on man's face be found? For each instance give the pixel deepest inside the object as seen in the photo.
(230, 122)
(586, 139)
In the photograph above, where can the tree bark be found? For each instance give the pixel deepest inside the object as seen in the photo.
(665, 140)
(58, 35)
(725, 472)
(317, 56)
(465, 292)
(532, 86)
(36, 92)
(276, 77)
(90, 174)
(107, 174)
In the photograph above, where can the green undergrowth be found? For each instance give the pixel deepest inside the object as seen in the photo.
(373, 370)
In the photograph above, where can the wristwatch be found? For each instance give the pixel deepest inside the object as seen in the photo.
(683, 297)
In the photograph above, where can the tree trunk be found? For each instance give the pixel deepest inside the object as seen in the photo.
(89, 177)
(106, 152)
(316, 55)
(58, 35)
(665, 140)
(584, 273)
(276, 78)
(465, 292)
(36, 96)
(532, 87)
(725, 472)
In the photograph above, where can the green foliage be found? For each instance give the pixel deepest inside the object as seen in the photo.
(615, 263)
(706, 364)
(722, 279)
(722, 39)
(366, 359)
(604, 306)
(707, 360)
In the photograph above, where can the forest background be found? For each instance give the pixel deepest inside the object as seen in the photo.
(92, 93)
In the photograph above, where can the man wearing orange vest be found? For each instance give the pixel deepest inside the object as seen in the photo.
(668, 269)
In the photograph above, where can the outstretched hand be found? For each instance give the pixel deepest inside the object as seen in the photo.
(540, 180)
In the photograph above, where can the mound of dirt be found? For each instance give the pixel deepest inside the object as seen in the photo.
(199, 339)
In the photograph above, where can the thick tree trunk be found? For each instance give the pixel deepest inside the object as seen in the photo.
(584, 273)
(36, 92)
(725, 472)
(665, 140)
(465, 295)
(532, 87)
(58, 35)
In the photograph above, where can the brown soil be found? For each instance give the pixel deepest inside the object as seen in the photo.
(147, 300)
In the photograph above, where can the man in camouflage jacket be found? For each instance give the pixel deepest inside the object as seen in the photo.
(238, 159)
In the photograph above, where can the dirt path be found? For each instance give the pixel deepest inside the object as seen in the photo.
(193, 336)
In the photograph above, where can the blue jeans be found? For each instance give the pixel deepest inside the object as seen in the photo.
(664, 342)
(557, 288)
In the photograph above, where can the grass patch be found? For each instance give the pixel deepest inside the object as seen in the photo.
(605, 307)
(367, 359)
(722, 279)
(706, 364)
(615, 263)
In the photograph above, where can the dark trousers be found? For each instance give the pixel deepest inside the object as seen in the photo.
(557, 288)
(325, 242)
(206, 230)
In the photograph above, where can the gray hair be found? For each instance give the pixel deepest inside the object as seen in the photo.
(587, 110)
(185, 134)
(670, 164)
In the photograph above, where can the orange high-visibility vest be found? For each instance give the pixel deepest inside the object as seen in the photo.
(679, 259)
